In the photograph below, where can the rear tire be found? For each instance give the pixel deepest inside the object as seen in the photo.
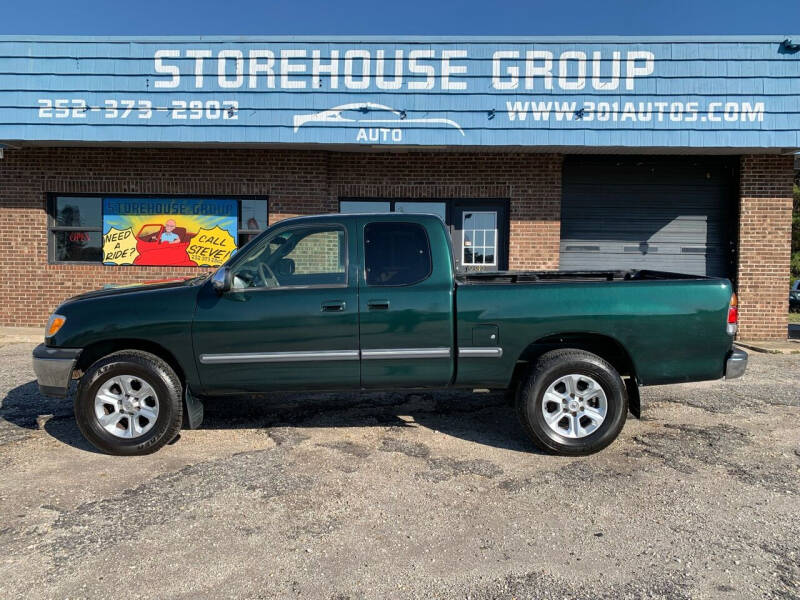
(129, 403)
(572, 403)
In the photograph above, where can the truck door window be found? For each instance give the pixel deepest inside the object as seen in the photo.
(309, 256)
(396, 254)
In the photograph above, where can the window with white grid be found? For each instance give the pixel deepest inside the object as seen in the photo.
(479, 238)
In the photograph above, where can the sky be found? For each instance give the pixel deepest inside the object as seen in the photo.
(401, 17)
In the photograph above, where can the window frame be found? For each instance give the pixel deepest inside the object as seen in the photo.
(316, 286)
(483, 246)
(398, 285)
(53, 227)
(52, 199)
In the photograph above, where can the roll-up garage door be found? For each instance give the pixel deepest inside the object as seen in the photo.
(661, 213)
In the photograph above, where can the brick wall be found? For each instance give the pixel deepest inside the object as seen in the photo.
(765, 226)
(296, 182)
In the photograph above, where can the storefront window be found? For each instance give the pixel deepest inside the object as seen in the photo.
(402, 206)
(427, 208)
(76, 229)
(252, 219)
(479, 235)
(77, 223)
(78, 212)
(364, 206)
(78, 246)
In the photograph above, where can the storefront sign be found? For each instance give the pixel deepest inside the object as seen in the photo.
(182, 232)
(683, 92)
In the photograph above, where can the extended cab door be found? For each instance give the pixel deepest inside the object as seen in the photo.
(290, 320)
(405, 302)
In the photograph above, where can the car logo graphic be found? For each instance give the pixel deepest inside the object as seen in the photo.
(334, 115)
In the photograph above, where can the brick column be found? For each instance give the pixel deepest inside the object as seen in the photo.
(765, 227)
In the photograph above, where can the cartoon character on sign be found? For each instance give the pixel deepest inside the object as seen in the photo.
(169, 236)
(163, 245)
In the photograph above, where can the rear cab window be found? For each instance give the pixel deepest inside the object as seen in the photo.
(396, 254)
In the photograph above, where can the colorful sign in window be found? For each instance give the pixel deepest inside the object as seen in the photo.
(181, 232)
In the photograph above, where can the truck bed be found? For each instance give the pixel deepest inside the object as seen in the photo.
(672, 326)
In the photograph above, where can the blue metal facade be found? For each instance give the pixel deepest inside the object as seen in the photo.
(584, 92)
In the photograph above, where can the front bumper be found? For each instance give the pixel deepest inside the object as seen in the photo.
(736, 364)
(53, 368)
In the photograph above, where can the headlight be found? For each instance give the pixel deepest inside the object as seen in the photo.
(55, 323)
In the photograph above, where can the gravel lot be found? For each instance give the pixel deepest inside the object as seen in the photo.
(408, 496)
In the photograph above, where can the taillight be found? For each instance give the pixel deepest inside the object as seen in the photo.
(733, 315)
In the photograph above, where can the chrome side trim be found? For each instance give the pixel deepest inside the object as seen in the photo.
(400, 353)
(376, 354)
(264, 357)
(481, 352)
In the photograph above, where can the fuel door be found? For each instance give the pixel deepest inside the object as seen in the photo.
(485, 336)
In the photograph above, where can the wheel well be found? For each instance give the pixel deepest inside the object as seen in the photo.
(603, 346)
(94, 352)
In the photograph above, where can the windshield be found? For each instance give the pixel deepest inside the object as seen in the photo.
(149, 231)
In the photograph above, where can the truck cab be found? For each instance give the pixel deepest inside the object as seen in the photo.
(300, 296)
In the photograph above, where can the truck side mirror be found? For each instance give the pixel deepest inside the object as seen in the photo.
(221, 280)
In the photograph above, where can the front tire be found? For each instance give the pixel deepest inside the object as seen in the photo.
(129, 403)
(572, 403)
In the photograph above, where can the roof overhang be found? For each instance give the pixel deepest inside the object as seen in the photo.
(697, 151)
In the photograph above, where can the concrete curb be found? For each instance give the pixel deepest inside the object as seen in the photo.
(783, 347)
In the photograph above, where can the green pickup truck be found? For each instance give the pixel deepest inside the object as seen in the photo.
(343, 302)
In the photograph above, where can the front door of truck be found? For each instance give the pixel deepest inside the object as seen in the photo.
(405, 304)
(290, 319)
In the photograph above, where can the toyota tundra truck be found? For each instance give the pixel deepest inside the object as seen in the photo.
(373, 302)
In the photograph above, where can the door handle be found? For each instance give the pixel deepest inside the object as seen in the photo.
(378, 304)
(333, 306)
